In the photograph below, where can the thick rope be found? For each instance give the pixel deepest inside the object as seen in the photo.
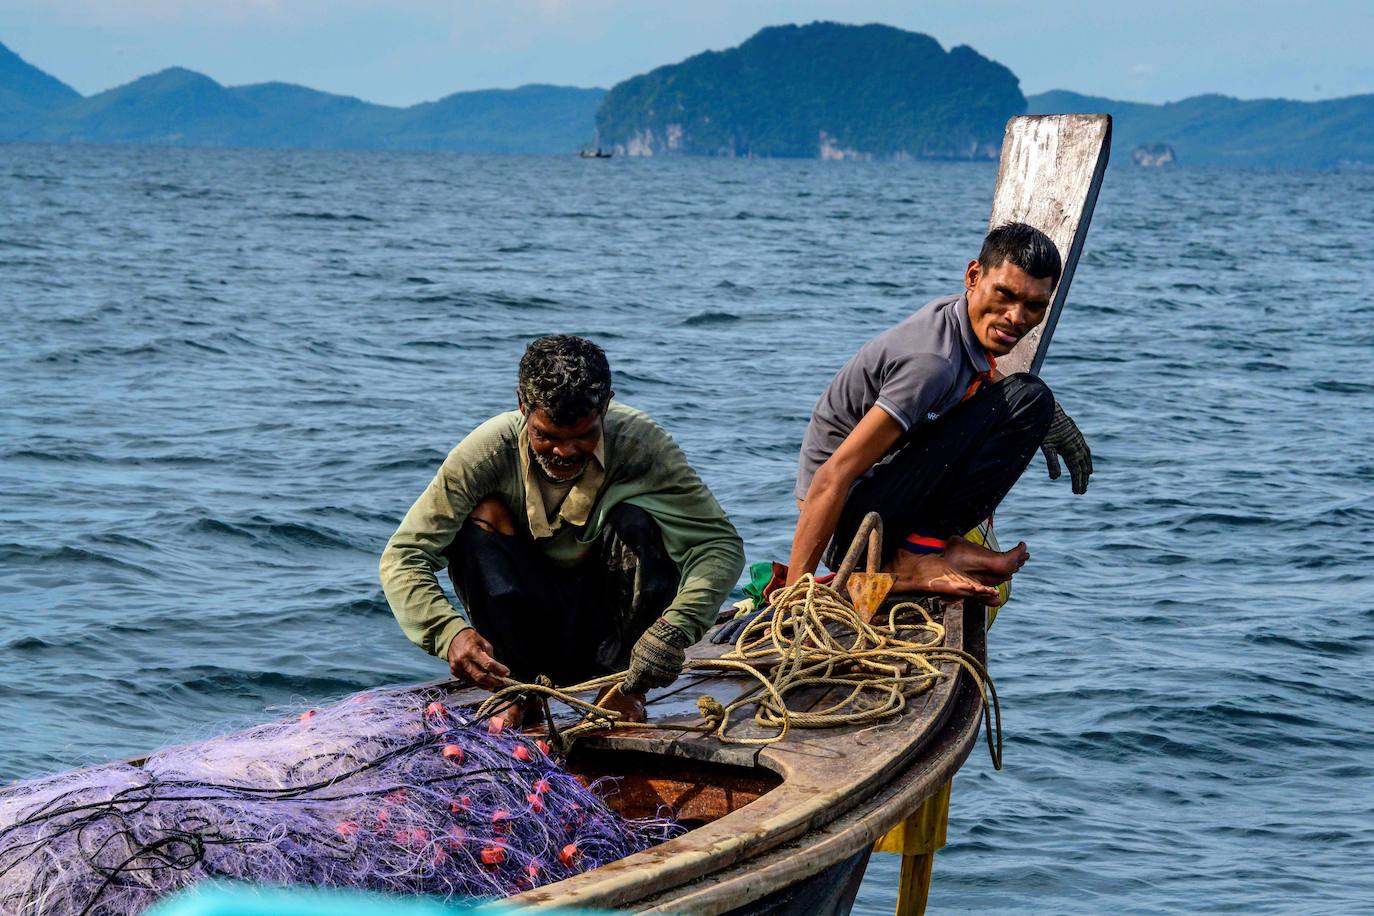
(812, 639)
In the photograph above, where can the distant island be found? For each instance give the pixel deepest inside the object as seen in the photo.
(1217, 130)
(179, 107)
(822, 90)
(827, 90)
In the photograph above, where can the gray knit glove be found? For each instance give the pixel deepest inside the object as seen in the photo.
(1065, 439)
(657, 657)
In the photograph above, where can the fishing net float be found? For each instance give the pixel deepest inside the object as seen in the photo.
(392, 791)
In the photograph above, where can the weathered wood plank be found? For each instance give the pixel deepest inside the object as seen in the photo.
(1051, 170)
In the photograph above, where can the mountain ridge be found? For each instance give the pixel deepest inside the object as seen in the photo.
(838, 98)
(1220, 130)
(182, 107)
(25, 88)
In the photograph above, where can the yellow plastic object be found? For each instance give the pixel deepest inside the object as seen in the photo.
(916, 839)
(923, 832)
(913, 887)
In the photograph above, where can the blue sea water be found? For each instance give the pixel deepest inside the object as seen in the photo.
(225, 376)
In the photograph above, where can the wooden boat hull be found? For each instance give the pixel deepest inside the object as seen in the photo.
(841, 849)
(784, 829)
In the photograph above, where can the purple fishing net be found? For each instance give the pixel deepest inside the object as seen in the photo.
(391, 791)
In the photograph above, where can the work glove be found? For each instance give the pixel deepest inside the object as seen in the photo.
(657, 658)
(731, 630)
(1064, 439)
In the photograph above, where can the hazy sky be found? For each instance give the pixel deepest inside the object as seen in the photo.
(406, 51)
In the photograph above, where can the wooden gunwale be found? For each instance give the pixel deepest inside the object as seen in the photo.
(827, 773)
(939, 758)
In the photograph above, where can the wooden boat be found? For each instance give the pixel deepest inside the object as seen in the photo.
(787, 828)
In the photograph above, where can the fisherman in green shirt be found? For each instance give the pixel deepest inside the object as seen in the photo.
(578, 539)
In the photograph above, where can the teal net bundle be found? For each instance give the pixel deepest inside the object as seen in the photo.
(392, 791)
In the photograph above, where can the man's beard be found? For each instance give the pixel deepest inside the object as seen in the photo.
(549, 466)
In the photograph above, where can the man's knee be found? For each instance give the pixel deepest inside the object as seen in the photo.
(633, 525)
(492, 514)
(1030, 399)
(635, 543)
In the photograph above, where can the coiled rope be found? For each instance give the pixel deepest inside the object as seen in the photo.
(813, 638)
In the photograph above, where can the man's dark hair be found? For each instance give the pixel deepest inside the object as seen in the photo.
(1026, 247)
(567, 376)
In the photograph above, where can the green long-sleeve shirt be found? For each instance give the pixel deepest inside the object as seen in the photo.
(640, 464)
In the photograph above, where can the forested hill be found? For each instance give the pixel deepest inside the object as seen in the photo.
(26, 91)
(828, 90)
(1218, 130)
(179, 107)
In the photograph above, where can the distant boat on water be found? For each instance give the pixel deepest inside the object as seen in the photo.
(595, 151)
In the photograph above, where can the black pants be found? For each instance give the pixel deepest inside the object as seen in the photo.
(945, 477)
(570, 624)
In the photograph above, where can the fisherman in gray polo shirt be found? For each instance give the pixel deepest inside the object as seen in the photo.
(921, 427)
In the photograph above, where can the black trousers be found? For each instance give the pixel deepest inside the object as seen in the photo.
(945, 477)
(569, 624)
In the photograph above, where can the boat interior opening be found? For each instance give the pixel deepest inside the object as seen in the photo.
(648, 784)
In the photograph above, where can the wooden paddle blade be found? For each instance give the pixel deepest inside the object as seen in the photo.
(867, 591)
(1051, 171)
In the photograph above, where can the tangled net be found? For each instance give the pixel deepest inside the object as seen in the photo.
(392, 791)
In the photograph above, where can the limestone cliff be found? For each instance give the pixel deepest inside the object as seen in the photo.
(823, 90)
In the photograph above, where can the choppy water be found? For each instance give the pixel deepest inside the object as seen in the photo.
(227, 374)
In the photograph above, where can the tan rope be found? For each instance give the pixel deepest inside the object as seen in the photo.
(813, 639)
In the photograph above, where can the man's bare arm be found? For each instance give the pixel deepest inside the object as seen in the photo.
(862, 448)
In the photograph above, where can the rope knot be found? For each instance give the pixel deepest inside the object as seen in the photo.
(711, 711)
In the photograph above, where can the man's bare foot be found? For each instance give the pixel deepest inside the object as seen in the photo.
(629, 705)
(933, 574)
(517, 716)
(987, 566)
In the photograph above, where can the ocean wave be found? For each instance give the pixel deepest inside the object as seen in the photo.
(28, 644)
(329, 217)
(708, 319)
(213, 679)
(65, 453)
(262, 531)
(29, 556)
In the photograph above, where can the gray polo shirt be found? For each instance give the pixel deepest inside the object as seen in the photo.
(914, 371)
